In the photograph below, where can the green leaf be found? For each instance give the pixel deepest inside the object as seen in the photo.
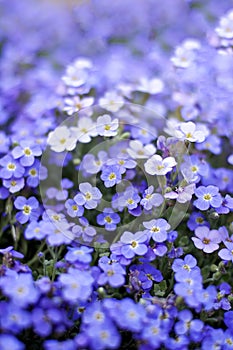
(160, 288)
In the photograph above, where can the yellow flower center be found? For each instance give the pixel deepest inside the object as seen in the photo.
(33, 172)
(134, 244)
(112, 176)
(130, 201)
(11, 166)
(88, 196)
(108, 219)
(62, 141)
(27, 209)
(27, 151)
(160, 167)
(155, 229)
(206, 240)
(207, 197)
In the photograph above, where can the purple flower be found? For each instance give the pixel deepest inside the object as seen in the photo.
(26, 153)
(111, 175)
(29, 209)
(157, 229)
(227, 253)
(109, 219)
(206, 239)
(151, 199)
(113, 273)
(207, 196)
(133, 244)
(79, 254)
(10, 168)
(89, 196)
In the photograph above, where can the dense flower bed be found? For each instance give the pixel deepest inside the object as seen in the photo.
(116, 175)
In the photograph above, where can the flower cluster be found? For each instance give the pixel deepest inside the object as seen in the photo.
(116, 180)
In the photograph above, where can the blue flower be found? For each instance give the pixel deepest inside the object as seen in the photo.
(26, 152)
(103, 336)
(29, 209)
(151, 199)
(79, 254)
(8, 341)
(20, 289)
(188, 325)
(73, 209)
(14, 185)
(76, 285)
(109, 219)
(11, 168)
(113, 273)
(133, 244)
(61, 345)
(207, 196)
(129, 198)
(89, 196)
(111, 175)
(35, 173)
(157, 229)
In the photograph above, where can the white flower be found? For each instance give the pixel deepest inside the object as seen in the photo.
(137, 150)
(61, 139)
(76, 73)
(105, 126)
(153, 86)
(225, 28)
(156, 165)
(111, 101)
(185, 53)
(182, 194)
(85, 129)
(190, 131)
(74, 104)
